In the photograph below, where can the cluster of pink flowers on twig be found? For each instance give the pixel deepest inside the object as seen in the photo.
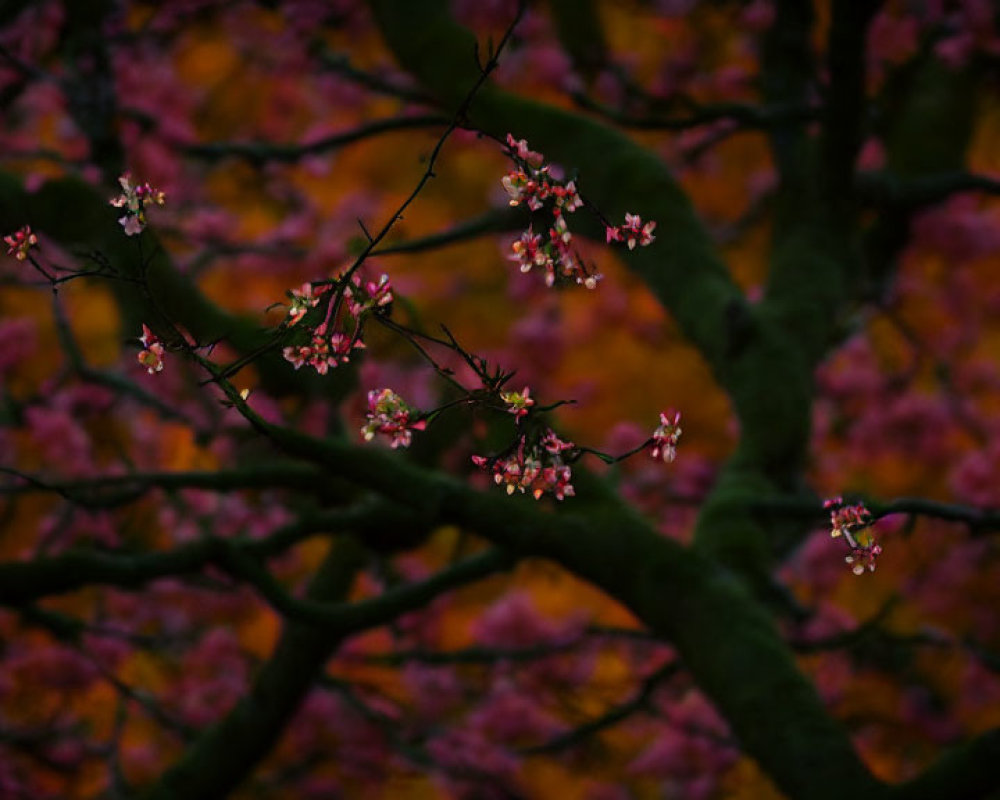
(531, 182)
(324, 350)
(328, 347)
(666, 435)
(19, 242)
(853, 522)
(368, 295)
(134, 199)
(390, 415)
(537, 466)
(633, 232)
(518, 403)
(151, 356)
(303, 298)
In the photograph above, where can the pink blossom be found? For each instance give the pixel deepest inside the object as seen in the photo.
(532, 189)
(854, 522)
(368, 295)
(666, 435)
(538, 466)
(518, 403)
(528, 252)
(567, 198)
(303, 298)
(151, 356)
(542, 187)
(134, 199)
(19, 242)
(634, 232)
(390, 415)
(554, 444)
(520, 149)
(323, 352)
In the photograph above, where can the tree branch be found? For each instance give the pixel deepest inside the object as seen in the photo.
(609, 718)
(911, 193)
(263, 152)
(24, 582)
(229, 751)
(727, 641)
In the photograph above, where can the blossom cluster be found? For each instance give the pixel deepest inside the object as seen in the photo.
(367, 295)
(633, 232)
(531, 182)
(853, 522)
(518, 403)
(303, 298)
(151, 356)
(327, 347)
(666, 435)
(134, 199)
(323, 350)
(391, 416)
(538, 466)
(19, 242)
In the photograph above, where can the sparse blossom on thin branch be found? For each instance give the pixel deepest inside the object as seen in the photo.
(390, 415)
(324, 351)
(666, 435)
(633, 232)
(134, 199)
(518, 403)
(303, 298)
(366, 295)
(853, 522)
(333, 341)
(151, 356)
(19, 242)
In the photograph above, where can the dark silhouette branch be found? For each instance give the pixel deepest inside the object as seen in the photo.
(264, 152)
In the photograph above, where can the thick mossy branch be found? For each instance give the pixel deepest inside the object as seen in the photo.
(228, 751)
(814, 262)
(929, 113)
(787, 78)
(730, 643)
(929, 122)
(886, 190)
(846, 105)
(111, 491)
(24, 582)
